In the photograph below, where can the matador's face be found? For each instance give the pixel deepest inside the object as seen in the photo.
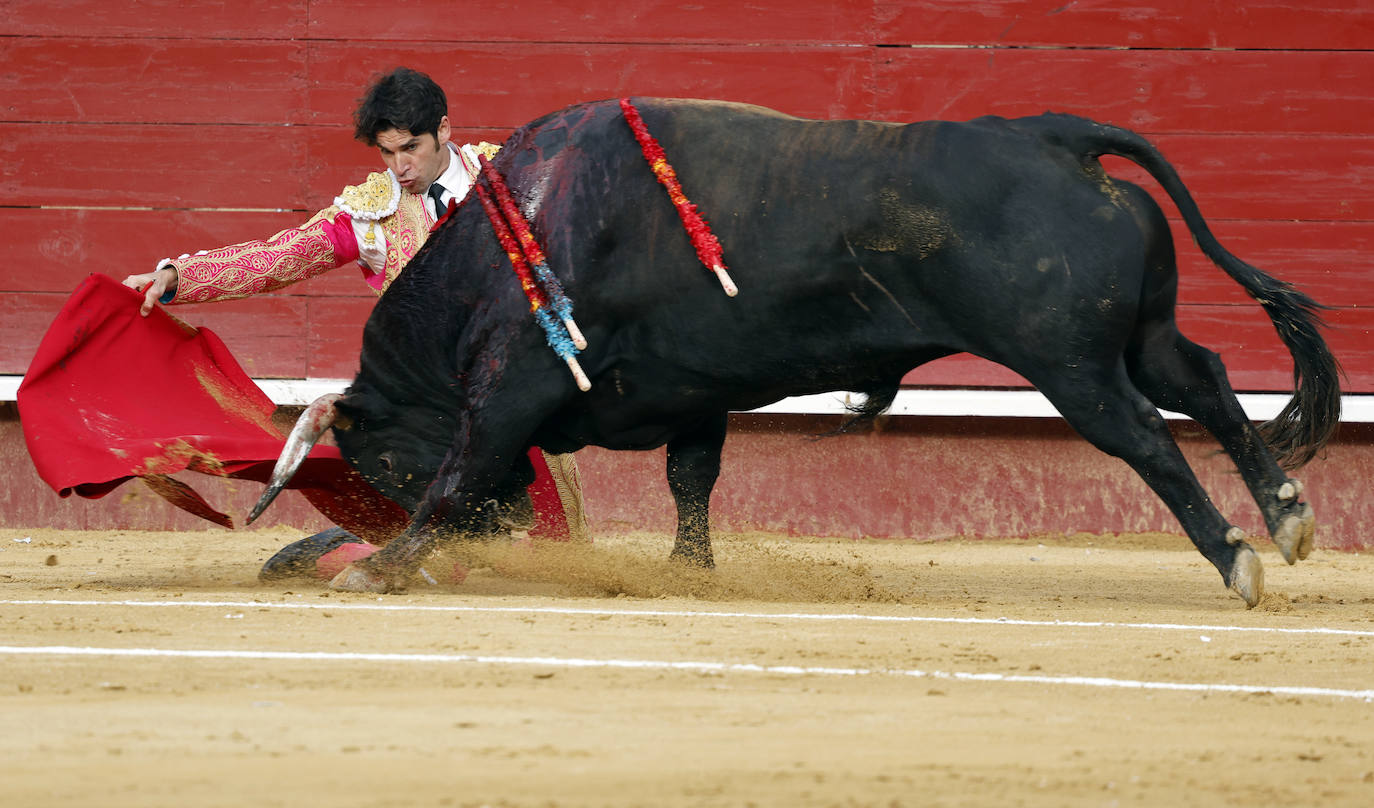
(416, 160)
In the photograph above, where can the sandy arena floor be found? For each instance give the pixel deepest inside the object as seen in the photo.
(153, 670)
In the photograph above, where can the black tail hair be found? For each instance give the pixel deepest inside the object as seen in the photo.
(876, 402)
(1311, 416)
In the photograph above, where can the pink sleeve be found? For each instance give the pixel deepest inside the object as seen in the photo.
(253, 267)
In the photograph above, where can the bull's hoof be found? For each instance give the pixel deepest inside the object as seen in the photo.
(1296, 534)
(1309, 532)
(1247, 576)
(355, 579)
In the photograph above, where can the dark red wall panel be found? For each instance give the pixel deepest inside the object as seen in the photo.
(100, 80)
(1152, 91)
(503, 86)
(1330, 261)
(61, 247)
(265, 333)
(171, 19)
(1257, 24)
(150, 165)
(600, 21)
(23, 319)
(335, 336)
(1255, 359)
(1280, 177)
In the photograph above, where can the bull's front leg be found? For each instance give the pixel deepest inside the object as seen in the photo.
(693, 466)
(391, 568)
(387, 573)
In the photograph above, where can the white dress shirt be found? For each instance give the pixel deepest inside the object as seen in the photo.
(456, 181)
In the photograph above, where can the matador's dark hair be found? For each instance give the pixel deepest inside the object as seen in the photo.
(402, 99)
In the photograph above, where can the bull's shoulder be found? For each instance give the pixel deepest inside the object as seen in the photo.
(374, 199)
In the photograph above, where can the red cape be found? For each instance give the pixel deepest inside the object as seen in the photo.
(112, 395)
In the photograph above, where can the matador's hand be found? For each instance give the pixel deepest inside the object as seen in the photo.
(154, 285)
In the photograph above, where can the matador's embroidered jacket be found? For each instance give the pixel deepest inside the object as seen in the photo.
(381, 227)
(376, 224)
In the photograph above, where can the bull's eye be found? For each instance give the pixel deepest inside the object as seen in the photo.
(386, 461)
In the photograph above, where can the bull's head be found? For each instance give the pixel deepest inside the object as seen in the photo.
(399, 451)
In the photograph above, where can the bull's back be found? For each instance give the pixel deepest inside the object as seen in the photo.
(858, 246)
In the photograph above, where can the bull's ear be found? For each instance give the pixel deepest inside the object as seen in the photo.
(343, 421)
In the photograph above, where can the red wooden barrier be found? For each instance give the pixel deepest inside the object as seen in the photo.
(1189, 24)
(188, 125)
(1150, 91)
(1183, 24)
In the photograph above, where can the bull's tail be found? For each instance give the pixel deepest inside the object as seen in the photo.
(1311, 416)
(877, 399)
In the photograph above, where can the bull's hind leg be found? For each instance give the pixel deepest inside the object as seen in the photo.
(693, 466)
(1182, 376)
(1117, 419)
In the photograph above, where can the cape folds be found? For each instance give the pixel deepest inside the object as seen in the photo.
(111, 396)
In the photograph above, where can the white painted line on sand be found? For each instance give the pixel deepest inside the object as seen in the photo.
(819, 616)
(702, 667)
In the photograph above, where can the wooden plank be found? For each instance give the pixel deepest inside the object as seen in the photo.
(60, 248)
(158, 166)
(266, 334)
(1331, 261)
(172, 19)
(500, 86)
(1266, 176)
(24, 318)
(1235, 176)
(1265, 24)
(272, 336)
(1255, 359)
(1260, 24)
(655, 21)
(298, 169)
(963, 370)
(153, 80)
(1149, 90)
(336, 335)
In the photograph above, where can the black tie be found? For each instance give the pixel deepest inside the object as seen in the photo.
(436, 192)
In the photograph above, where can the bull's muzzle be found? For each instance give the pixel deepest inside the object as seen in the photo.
(318, 417)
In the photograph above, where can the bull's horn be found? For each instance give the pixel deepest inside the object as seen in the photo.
(309, 427)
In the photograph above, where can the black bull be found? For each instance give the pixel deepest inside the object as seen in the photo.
(861, 250)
